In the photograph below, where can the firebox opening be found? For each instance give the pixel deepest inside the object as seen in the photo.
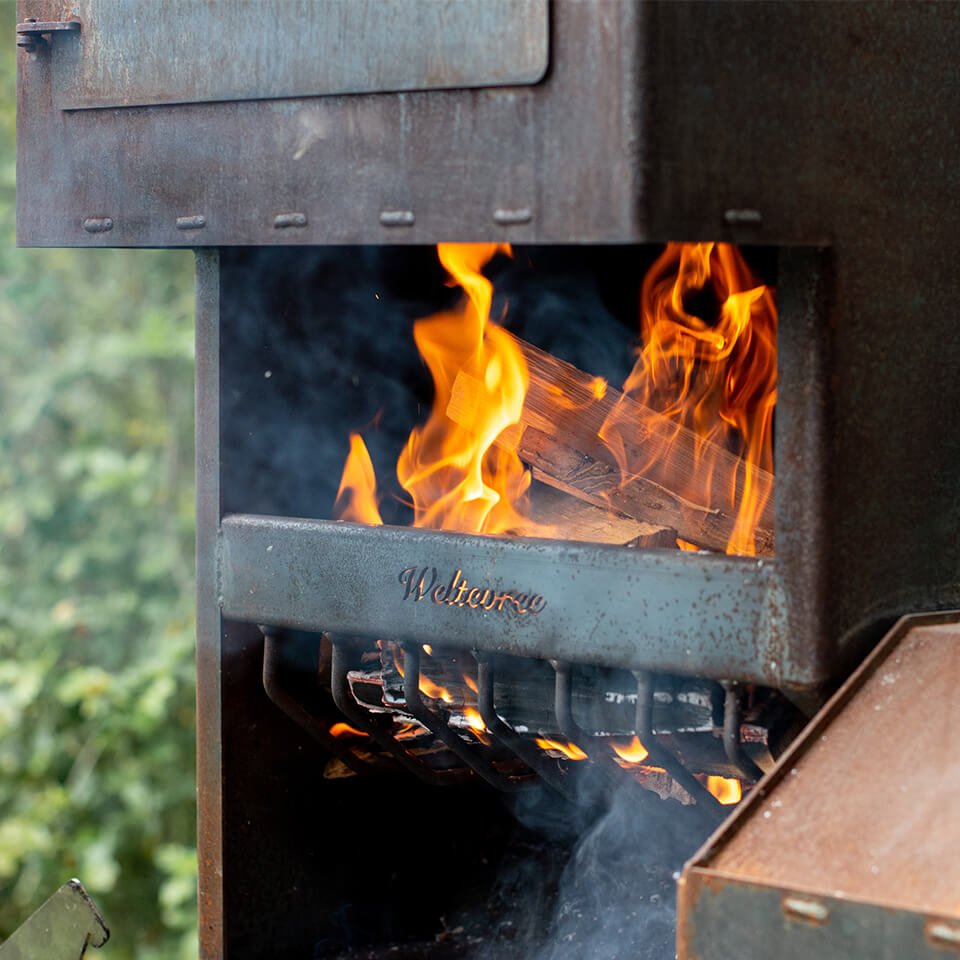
(618, 394)
(427, 799)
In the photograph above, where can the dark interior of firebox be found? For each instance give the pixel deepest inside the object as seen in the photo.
(315, 344)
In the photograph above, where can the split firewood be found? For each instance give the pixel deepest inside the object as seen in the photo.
(599, 483)
(665, 486)
(581, 519)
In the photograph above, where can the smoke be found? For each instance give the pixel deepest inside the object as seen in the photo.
(613, 897)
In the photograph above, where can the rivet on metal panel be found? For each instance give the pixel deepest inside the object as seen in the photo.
(805, 909)
(397, 218)
(283, 220)
(746, 216)
(943, 933)
(507, 217)
(191, 223)
(98, 224)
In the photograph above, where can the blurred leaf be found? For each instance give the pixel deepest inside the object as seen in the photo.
(97, 688)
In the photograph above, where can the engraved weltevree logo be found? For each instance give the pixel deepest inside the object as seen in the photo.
(426, 583)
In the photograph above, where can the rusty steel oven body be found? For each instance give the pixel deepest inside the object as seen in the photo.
(821, 132)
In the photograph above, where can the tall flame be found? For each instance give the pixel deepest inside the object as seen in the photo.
(715, 376)
(455, 475)
(357, 495)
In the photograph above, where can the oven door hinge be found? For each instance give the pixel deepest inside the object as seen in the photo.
(30, 33)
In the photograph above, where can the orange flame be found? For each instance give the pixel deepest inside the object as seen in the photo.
(433, 690)
(632, 752)
(457, 478)
(725, 789)
(455, 475)
(473, 718)
(345, 730)
(570, 750)
(426, 686)
(714, 376)
(357, 495)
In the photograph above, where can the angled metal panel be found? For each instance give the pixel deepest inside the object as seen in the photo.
(847, 848)
(142, 52)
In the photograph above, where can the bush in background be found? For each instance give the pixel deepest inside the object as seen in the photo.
(96, 579)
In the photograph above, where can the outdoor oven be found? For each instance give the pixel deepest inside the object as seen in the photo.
(313, 153)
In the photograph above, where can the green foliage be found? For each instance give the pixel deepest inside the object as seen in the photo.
(96, 580)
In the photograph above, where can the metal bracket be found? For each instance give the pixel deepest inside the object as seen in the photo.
(61, 929)
(30, 33)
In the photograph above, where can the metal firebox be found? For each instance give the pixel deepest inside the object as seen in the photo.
(819, 131)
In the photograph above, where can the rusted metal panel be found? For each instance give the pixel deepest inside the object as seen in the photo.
(210, 794)
(661, 610)
(833, 122)
(847, 848)
(139, 52)
(559, 160)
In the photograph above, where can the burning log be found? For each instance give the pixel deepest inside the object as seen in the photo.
(580, 475)
(581, 519)
(566, 415)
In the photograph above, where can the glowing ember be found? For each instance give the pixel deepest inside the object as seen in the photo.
(345, 730)
(433, 690)
(632, 752)
(570, 750)
(477, 727)
(473, 718)
(725, 789)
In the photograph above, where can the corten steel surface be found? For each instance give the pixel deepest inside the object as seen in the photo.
(848, 848)
(132, 52)
(556, 160)
(778, 123)
(667, 610)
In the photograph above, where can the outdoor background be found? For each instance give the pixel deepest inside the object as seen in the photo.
(96, 578)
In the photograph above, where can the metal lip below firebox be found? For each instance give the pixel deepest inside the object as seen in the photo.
(690, 613)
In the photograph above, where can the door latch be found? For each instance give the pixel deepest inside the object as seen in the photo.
(33, 34)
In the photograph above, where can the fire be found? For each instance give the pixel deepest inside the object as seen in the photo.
(455, 475)
(477, 727)
(706, 369)
(570, 750)
(474, 720)
(714, 376)
(632, 752)
(433, 690)
(725, 789)
(357, 495)
(345, 730)
(426, 686)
